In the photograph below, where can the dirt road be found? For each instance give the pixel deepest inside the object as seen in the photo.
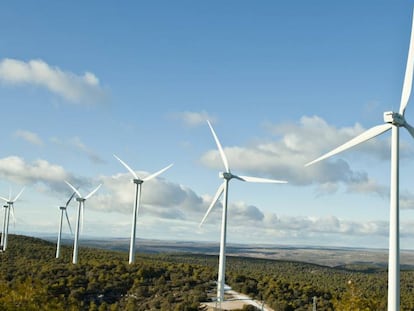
(235, 300)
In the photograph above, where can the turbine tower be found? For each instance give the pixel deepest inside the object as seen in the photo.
(223, 188)
(393, 121)
(81, 207)
(8, 208)
(63, 209)
(138, 184)
(3, 229)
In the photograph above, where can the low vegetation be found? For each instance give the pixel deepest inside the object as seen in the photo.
(32, 279)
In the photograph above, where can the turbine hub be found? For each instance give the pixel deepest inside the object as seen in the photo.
(394, 118)
(80, 199)
(226, 175)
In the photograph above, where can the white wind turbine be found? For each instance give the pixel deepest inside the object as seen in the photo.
(8, 208)
(138, 184)
(393, 121)
(227, 176)
(63, 209)
(81, 206)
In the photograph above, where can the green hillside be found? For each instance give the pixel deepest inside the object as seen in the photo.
(32, 279)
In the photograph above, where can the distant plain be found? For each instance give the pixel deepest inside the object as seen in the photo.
(325, 256)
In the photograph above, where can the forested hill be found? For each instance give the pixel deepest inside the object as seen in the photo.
(32, 279)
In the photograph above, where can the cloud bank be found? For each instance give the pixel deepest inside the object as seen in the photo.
(179, 207)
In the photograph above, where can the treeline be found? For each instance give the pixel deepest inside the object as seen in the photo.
(32, 279)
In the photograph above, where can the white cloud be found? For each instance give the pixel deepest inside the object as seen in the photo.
(160, 198)
(16, 169)
(243, 212)
(74, 88)
(193, 119)
(46, 176)
(166, 200)
(29, 137)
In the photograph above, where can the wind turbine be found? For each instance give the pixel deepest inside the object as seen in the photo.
(8, 207)
(393, 121)
(63, 209)
(223, 188)
(81, 206)
(138, 184)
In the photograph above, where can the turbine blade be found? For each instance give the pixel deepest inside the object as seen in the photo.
(10, 193)
(4, 199)
(260, 180)
(408, 79)
(74, 189)
(127, 167)
(157, 173)
(371, 133)
(409, 128)
(70, 199)
(67, 218)
(220, 148)
(92, 192)
(17, 196)
(215, 199)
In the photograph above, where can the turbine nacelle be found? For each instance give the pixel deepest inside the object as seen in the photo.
(137, 181)
(394, 118)
(80, 199)
(226, 175)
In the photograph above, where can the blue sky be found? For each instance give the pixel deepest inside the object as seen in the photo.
(281, 81)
